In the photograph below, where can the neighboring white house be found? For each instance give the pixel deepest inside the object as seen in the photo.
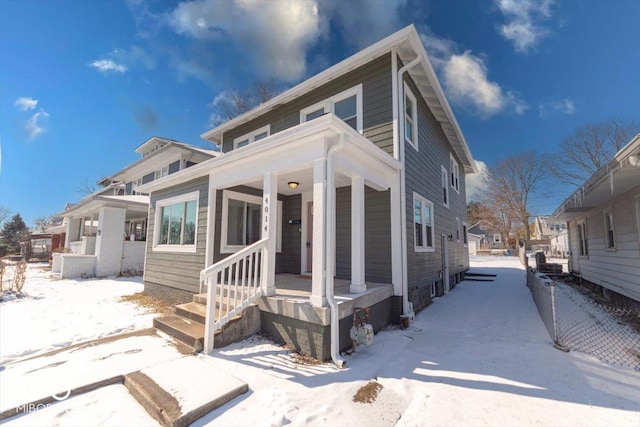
(105, 232)
(603, 220)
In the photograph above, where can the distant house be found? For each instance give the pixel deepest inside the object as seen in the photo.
(105, 233)
(345, 191)
(603, 222)
(489, 237)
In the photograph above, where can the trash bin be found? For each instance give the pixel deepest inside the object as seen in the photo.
(540, 259)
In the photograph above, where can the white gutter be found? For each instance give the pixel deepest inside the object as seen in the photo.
(403, 190)
(330, 253)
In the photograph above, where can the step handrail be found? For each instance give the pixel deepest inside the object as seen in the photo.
(238, 274)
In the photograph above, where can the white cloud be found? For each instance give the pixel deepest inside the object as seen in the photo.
(466, 81)
(25, 103)
(107, 66)
(275, 34)
(34, 125)
(564, 106)
(364, 22)
(474, 183)
(523, 21)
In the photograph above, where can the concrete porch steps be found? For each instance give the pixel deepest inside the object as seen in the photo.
(187, 324)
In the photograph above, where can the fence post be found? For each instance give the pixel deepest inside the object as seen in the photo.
(553, 312)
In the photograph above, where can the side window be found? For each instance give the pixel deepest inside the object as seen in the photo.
(445, 187)
(583, 242)
(454, 170)
(609, 231)
(410, 118)
(176, 223)
(422, 224)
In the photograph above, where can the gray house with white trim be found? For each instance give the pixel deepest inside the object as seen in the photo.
(345, 191)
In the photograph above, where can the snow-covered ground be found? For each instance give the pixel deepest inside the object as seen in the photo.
(478, 356)
(58, 313)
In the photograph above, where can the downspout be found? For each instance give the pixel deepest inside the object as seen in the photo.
(330, 254)
(403, 190)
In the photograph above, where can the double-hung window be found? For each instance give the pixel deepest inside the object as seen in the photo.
(609, 231)
(162, 172)
(455, 173)
(445, 186)
(254, 136)
(176, 222)
(242, 220)
(347, 105)
(583, 238)
(422, 224)
(465, 237)
(458, 229)
(410, 118)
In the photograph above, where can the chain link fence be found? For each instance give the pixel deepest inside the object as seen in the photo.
(576, 321)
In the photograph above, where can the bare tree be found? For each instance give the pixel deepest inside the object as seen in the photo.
(40, 224)
(509, 187)
(233, 103)
(86, 187)
(590, 147)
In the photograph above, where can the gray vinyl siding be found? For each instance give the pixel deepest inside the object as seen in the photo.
(288, 260)
(615, 269)
(377, 235)
(178, 269)
(423, 175)
(377, 105)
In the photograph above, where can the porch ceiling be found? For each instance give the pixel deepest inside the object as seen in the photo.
(304, 178)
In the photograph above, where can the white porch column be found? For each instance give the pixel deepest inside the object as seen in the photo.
(357, 236)
(397, 210)
(72, 232)
(211, 225)
(269, 229)
(109, 241)
(318, 298)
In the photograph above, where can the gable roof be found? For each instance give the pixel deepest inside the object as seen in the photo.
(408, 47)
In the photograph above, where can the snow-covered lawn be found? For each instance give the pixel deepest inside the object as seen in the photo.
(478, 356)
(58, 313)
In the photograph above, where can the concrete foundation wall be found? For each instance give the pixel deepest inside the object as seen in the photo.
(133, 256)
(314, 339)
(73, 266)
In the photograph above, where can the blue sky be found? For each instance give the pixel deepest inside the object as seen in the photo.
(82, 83)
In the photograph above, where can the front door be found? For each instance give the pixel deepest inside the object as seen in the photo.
(309, 235)
(445, 262)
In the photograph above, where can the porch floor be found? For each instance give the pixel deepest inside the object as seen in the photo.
(293, 292)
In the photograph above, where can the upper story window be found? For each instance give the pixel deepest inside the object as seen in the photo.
(162, 172)
(347, 105)
(422, 224)
(445, 186)
(254, 136)
(455, 173)
(610, 238)
(410, 117)
(176, 223)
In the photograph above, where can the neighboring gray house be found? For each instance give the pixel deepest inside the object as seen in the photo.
(345, 191)
(490, 237)
(603, 221)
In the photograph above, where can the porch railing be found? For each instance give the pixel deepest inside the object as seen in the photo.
(233, 284)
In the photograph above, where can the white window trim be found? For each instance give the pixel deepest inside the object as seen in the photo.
(458, 230)
(465, 233)
(195, 195)
(445, 185)
(328, 105)
(455, 173)
(413, 141)
(252, 135)
(424, 202)
(499, 238)
(605, 213)
(579, 223)
(226, 195)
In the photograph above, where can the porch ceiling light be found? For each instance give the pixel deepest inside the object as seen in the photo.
(293, 184)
